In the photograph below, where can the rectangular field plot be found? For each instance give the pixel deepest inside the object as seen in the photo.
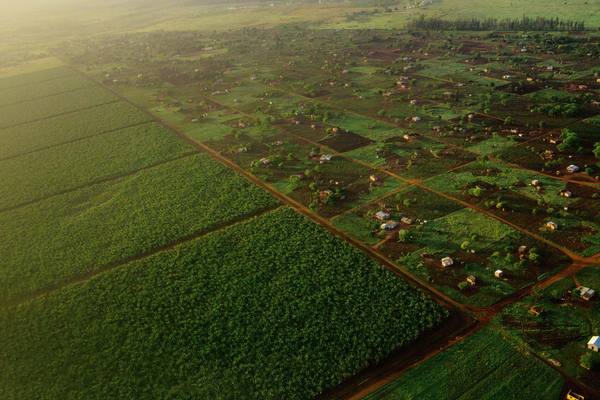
(34, 77)
(482, 367)
(38, 175)
(34, 110)
(530, 201)
(83, 231)
(66, 128)
(562, 324)
(314, 309)
(42, 89)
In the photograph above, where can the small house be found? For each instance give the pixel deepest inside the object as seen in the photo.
(374, 179)
(535, 182)
(415, 119)
(571, 169)
(325, 158)
(499, 273)
(389, 225)
(535, 310)
(265, 161)
(382, 215)
(406, 220)
(551, 226)
(523, 252)
(566, 193)
(471, 280)
(586, 293)
(447, 262)
(594, 344)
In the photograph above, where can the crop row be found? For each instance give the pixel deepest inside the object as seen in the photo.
(82, 231)
(33, 77)
(274, 308)
(52, 105)
(42, 89)
(483, 366)
(64, 128)
(38, 175)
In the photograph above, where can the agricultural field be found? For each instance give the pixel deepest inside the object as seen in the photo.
(390, 200)
(70, 166)
(95, 227)
(484, 366)
(557, 322)
(57, 130)
(311, 308)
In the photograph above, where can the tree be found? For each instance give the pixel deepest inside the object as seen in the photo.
(534, 255)
(596, 150)
(403, 236)
(570, 140)
(464, 285)
(590, 361)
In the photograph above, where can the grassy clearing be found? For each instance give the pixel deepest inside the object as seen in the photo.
(81, 231)
(75, 164)
(483, 366)
(65, 128)
(52, 105)
(303, 311)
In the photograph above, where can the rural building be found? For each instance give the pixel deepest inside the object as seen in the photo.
(586, 293)
(406, 220)
(325, 157)
(447, 262)
(535, 182)
(523, 252)
(572, 169)
(566, 193)
(389, 225)
(594, 344)
(471, 280)
(499, 273)
(382, 215)
(416, 119)
(265, 161)
(551, 226)
(374, 179)
(535, 310)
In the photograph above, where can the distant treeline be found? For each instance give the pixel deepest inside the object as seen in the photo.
(493, 24)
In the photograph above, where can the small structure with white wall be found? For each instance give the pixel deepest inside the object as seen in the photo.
(447, 262)
(594, 344)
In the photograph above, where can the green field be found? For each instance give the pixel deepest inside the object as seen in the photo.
(61, 129)
(88, 229)
(73, 165)
(45, 107)
(301, 312)
(482, 367)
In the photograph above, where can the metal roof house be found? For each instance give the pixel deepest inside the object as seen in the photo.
(594, 344)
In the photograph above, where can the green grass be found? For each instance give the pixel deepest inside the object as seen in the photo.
(483, 367)
(72, 234)
(58, 169)
(65, 128)
(302, 311)
(52, 105)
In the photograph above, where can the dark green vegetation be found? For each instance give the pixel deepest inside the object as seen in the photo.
(564, 325)
(51, 105)
(83, 162)
(483, 366)
(90, 228)
(493, 24)
(70, 127)
(274, 308)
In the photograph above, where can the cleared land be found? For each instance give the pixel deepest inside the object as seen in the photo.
(269, 309)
